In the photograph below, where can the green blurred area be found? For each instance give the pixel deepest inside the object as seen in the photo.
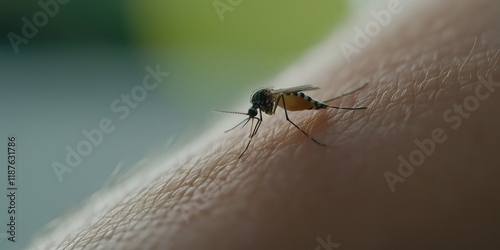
(249, 46)
(270, 28)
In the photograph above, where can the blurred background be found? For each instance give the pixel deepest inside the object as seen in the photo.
(60, 74)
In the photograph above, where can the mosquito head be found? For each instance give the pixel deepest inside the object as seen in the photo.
(252, 112)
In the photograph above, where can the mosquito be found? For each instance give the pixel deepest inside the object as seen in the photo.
(267, 100)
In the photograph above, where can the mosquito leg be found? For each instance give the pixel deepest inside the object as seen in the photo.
(304, 132)
(346, 94)
(276, 103)
(253, 132)
(259, 121)
(249, 140)
(248, 144)
(352, 108)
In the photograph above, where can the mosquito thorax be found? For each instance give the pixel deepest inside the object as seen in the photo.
(263, 99)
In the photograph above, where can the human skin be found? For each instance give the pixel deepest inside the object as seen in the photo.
(287, 192)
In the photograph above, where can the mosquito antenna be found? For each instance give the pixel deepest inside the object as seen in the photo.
(245, 121)
(230, 112)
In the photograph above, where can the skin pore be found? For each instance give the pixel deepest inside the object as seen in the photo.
(372, 187)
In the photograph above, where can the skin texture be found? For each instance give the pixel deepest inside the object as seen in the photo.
(287, 192)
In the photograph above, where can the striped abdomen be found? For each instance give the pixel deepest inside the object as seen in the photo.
(296, 101)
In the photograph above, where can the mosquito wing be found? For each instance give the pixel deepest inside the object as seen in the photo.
(293, 89)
